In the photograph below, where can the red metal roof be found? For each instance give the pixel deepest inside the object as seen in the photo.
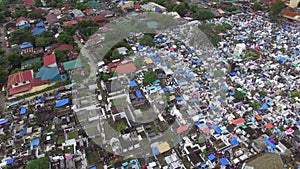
(238, 121)
(20, 89)
(137, 6)
(19, 77)
(70, 23)
(49, 60)
(29, 2)
(64, 47)
(98, 18)
(289, 13)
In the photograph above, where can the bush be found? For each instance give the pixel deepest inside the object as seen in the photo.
(238, 95)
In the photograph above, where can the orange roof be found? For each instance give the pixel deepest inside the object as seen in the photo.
(182, 129)
(258, 117)
(126, 68)
(289, 13)
(269, 126)
(238, 121)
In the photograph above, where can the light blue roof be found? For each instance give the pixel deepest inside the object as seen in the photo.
(26, 45)
(49, 73)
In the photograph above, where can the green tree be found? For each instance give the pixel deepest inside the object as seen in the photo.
(18, 13)
(38, 3)
(61, 56)
(70, 30)
(255, 105)
(121, 127)
(40, 163)
(231, 8)
(147, 40)
(85, 23)
(3, 76)
(35, 15)
(17, 70)
(116, 55)
(238, 95)
(21, 35)
(257, 6)
(149, 77)
(277, 7)
(138, 62)
(81, 6)
(65, 38)
(181, 9)
(15, 59)
(203, 14)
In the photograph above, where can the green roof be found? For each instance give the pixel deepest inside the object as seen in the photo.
(73, 64)
(28, 64)
(94, 4)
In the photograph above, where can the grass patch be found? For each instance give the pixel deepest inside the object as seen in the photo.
(73, 135)
(60, 140)
(57, 126)
(69, 149)
(119, 101)
(91, 130)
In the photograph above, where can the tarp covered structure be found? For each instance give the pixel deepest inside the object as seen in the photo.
(132, 84)
(234, 141)
(139, 94)
(266, 140)
(23, 110)
(224, 161)
(62, 102)
(34, 142)
(10, 161)
(3, 121)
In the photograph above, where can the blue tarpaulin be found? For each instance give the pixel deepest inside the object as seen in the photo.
(213, 107)
(234, 141)
(71, 85)
(62, 102)
(57, 95)
(10, 161)
(139, 94)
(23, 131)
(24, 26)
(179, 98)
(132, 84)
(273, 146)
(41, 100)
(264, 106)
(211, 157)
(165, 89)
(37, 31)
(23, 110)
(34, 142)
(39, 24)
(3, 121)
(281, 60)
(232, 73)
(155, 151)
(94, 167)
(224, 161)
(218, 129)
(189, 75)
(140, 47)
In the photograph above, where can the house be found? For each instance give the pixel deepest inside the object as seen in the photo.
(51, 19)
(52, 74)
(28, 2)
(65, 47)
(20, 82)
(98, 19)
(122, 50)
(154, 7)
(37, 31)
(287, 13)
(50, 60)
(22, 21)
(126, 68)
(26, 47)
(70, 23)
(77, 13)
(72, 65)
(94, 4)
(292, 3)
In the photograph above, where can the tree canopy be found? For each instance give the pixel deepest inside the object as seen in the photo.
(40, 163)
(277, 7)
(21, 35)
(147, 40)
(65, 38)
(149, 77)
(257, 6)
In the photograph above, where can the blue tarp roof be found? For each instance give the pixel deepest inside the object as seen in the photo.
(42, 99)
(62, 102)
(23, 110)
(132, 84)
(179, 98)
(139, 94)
(224, 161)
(10, 161)
(71, 85)
(37, 31)
(23, 131)
(24, 26)
(155, 151)
(3, 121)
(40, 23)
(218, 129)
(232, 73)
(189, 75)
(26, 45)
(273, 146)
(94, 167)
(211, 157)
(165, 89)
(57, 95)
(264, 106)
(281, 60)
(234, 141)
(34, 142)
